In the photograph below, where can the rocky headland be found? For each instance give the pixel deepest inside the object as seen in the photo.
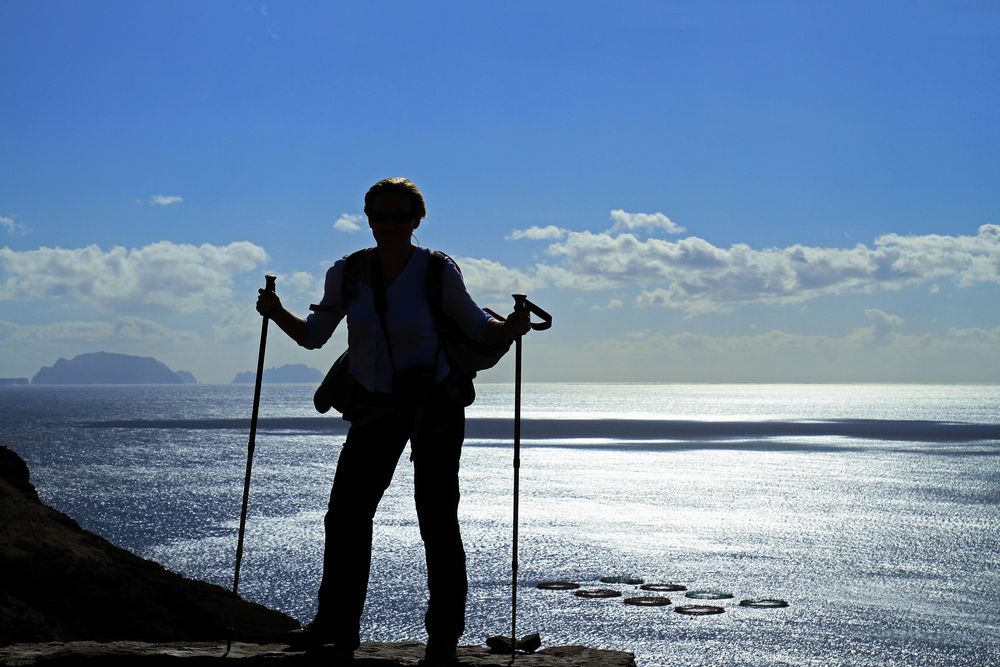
(59, 582)
(70, 597)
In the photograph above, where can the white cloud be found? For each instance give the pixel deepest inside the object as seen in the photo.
(12, 227)
(883, 323)
(549, 233)
(486, 278)
(163, 275)
(558, 276)
(165, 200)
(302, 281)
(348, 222)
(610, 305)
(696, 276)
(237, 323)
(627, 222)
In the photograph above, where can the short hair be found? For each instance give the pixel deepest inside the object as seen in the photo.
(403, 185)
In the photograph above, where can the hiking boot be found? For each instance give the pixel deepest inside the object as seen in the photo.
(312, 636)
(501, 645)
(440, 653)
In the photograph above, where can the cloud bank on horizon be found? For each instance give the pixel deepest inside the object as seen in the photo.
(137, 287)
(694, 275)
(689, 274)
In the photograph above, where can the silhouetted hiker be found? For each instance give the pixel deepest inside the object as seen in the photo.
(395, 357)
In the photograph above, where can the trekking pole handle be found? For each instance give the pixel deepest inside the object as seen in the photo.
(269, 282)
(521, 303)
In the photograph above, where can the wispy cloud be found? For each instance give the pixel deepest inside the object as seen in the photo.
(165, 200)
(125, 328)
(12, 227)
(484, 277)
(549, 233)
(628, 222)
(163, 275)
(348, 222)
(883, 323)
(610, 305)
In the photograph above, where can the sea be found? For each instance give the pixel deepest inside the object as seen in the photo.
(871, 510)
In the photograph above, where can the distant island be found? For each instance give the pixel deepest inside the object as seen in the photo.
(186, 377)
(110, 368)
(286, 373)
(10, 381)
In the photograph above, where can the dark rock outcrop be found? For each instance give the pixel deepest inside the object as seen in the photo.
(106, 368)
(286, 373)
(59, 582)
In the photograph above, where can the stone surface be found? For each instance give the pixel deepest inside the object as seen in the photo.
(373, 654)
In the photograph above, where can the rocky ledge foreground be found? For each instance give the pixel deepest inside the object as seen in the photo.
(373, 653)
(69, 597)
(59, 582)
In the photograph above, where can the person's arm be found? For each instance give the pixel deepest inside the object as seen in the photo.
(314, 331)
(269, 305)
(471, 318)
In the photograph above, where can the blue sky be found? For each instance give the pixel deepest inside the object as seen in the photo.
(710, 191)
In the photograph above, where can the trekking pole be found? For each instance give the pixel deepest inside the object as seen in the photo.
(269, 286)
(521, 304)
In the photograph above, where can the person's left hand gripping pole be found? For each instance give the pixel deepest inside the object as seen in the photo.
(270, 287)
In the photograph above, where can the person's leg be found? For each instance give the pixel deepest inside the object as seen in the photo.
(364, 471)
(436, 450)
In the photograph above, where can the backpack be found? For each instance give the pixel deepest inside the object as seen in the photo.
(466, 357)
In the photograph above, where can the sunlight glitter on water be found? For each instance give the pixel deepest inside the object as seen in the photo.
(884, 544)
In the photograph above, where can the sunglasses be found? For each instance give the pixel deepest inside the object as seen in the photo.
(398, 217)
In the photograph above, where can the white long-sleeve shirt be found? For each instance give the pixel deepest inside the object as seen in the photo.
(408, 316)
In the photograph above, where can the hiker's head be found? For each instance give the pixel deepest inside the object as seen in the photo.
(389, 199)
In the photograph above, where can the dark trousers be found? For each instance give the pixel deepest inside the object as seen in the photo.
(365, 468)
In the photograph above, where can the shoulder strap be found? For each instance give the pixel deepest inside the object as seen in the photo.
(434, 286)
(357, 266)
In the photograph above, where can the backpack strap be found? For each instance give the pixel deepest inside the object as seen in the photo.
(357, 267)
(435, 290)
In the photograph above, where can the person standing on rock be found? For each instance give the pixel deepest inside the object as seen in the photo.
(396, 359)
